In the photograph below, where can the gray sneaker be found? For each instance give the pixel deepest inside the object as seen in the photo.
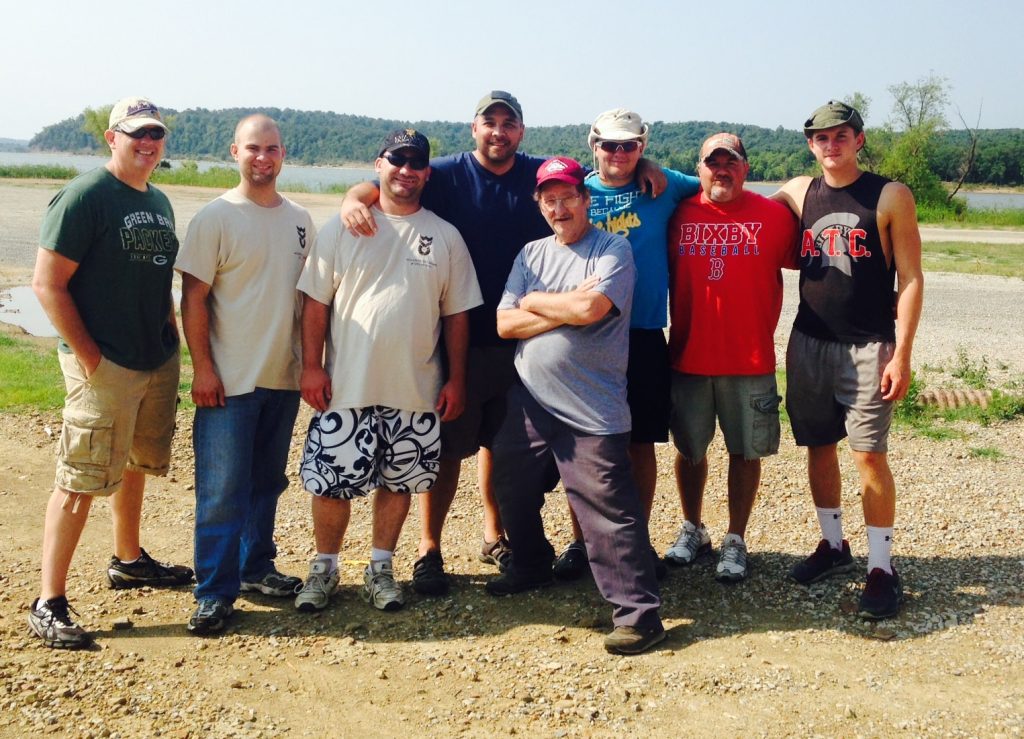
(51, 621)
(732, 560)
(693, 543)
(320, 586)
(380, 589)
(275, 584)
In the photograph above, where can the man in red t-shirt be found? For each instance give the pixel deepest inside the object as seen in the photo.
(727, 247)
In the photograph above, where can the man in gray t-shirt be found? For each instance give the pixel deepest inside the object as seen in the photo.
(568, 300)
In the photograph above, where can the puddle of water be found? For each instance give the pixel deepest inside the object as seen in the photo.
(18, 305)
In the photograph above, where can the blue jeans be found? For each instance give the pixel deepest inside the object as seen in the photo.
(241, 452)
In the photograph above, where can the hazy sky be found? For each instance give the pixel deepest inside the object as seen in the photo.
(764, 63)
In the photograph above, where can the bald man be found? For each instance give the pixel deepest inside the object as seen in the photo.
(239, 266)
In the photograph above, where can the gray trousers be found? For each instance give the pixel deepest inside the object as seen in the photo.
(531, 452)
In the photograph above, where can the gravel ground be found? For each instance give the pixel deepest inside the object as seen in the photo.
(762, 658)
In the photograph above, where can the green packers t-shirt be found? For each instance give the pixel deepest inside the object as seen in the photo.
(124, 243)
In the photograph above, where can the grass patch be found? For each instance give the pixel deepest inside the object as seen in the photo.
(37, 172)
(1004, 260)
(30, 377)
(973, 373)
(1007, 217)
(986, 452)
(188, 173)
(936, 423)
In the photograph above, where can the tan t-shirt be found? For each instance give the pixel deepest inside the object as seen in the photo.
(251, 257)
(388, 294)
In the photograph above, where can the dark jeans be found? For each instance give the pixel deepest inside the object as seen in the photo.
(241, 454)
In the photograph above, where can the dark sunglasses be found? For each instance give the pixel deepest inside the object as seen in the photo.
(154, 132)
(613, 146)
(415, 161)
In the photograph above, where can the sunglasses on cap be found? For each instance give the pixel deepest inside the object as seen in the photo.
(613, 146)
(154, 132)
(414, 161)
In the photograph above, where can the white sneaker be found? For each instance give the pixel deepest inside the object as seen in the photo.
(693, 542)
(380, 589)
(320, 585)
(732, 560)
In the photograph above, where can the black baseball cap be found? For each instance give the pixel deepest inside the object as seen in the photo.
(406, 138)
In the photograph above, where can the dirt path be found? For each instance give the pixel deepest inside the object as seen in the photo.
(762, 658)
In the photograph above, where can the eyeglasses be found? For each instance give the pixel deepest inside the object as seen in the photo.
(154, 132)
(613, 146)
(414, 161)
(569, 202)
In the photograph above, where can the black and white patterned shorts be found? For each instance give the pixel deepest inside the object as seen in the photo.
(351, 452)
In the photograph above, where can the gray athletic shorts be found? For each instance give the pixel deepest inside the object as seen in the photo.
(833, 390)
(746, 406)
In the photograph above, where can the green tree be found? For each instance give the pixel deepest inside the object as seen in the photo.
(96, 122)
(917, 118)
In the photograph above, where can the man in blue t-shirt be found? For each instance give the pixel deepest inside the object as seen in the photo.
(487, 194)
(619, 205)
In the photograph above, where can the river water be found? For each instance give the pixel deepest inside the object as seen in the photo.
(318, 178)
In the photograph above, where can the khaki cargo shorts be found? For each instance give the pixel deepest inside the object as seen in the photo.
(117, 418)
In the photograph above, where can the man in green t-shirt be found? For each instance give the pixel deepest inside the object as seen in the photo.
(103, 275)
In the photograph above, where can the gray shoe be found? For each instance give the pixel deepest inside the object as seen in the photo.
(380, 589)
(210, 617)
(50, 620)
(275, 584)
(693, 543)
(732, 560)
(320, 586)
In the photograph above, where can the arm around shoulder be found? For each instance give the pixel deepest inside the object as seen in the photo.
(792, 194)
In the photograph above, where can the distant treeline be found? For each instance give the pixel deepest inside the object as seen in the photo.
(317, 137)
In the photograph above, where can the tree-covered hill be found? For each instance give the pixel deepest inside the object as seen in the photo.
(319, 137)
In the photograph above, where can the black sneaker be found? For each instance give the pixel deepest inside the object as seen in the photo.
(210, 617)
(497, 553)
(146, 571)
(51, 622)
(572, 563)
(517, 581)
(660, 568)
(824, 562)
(631, 640)
(882, 595)
(428, 577)
(274, 584)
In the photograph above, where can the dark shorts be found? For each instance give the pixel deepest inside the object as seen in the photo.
(835, 390)
(648, 385)
(490, 372)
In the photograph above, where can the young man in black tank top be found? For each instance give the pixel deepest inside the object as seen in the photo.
(848, 361)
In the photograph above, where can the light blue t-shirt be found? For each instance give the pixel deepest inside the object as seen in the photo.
(578, 373)
(643, 220)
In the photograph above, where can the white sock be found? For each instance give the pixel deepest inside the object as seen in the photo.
(380, 555)
(880, 548)
(831, 522)
(331, 559)
(733, 538)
